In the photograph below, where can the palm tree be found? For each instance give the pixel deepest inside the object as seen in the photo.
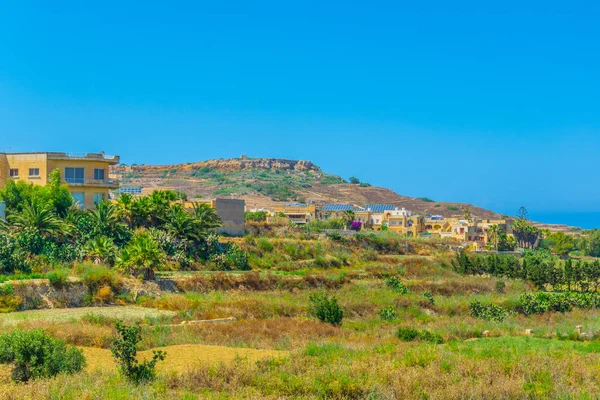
(124, 207)
(106, 221)
(101, 250)
(348, 217)
(495, 230)
(141, 256)
(467, 214)
(39, 217)
(206, 217)
(182, 224)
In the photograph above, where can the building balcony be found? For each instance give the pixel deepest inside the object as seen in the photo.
(107, 183)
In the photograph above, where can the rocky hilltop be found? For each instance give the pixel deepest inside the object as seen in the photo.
(242, 163)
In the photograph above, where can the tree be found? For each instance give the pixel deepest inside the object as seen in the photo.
(206, 217)
(39, 217)
(124, 208)
(124, 350)
(354, 180)
(348, 217)
(467, 214)
(182, 224)
(495, 231)
(523, 213)
(35, 354)
(563, 244)
(141, 256)
(106, 221)
(58, 194)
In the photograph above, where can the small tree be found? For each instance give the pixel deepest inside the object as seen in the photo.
(124, 349)
(325, 309)
(35, 354)
(141, 256)
(354, 180)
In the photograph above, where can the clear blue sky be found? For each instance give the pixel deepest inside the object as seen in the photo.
(458, 101)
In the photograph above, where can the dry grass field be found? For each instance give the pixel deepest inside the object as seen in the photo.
(60, 315)
(276, 350)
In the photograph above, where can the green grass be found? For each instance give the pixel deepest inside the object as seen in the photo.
(59, 315)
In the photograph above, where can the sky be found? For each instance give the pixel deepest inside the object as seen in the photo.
(492, 104)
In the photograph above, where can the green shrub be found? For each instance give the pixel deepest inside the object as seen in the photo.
(488, 312)
(388, 313)
(58, 277)
(35, 354)
(265, 246)
(124, 349)
(396, 285)
(411, 335)
(237, 259)
(541, 302)
(500, 286)
(325, 309)
(96, 276)
(9, 302)
(429, 297)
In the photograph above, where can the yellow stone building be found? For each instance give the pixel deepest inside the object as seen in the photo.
(298, 212)
(85, 174)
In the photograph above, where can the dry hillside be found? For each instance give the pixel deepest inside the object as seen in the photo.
(266, 182)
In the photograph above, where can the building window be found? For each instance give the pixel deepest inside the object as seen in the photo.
(74, 175)
(13, 173)
(33, 172)
(78, 199)
(98, 174)
(98, 197)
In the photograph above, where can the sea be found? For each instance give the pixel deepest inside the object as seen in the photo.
(583, 220)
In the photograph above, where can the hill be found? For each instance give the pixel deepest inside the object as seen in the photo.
(266, 182)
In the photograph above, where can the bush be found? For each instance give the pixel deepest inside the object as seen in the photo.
(500, 286)
(541, 302)
(325, 309)
(388, 313)
(265, 246)
(488, 312)
(35, 354)
(96, 276)
(9, 302)
(396, 285)
(429, 297)
(58, 277)
(124, 349)
(411, 335)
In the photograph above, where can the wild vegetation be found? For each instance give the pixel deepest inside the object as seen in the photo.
(303, 312)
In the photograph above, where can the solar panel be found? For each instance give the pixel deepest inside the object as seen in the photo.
(379, 207)
(337, 207)
(130, 190)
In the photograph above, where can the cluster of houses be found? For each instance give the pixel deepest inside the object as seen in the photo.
(87, 176)
(400, 220)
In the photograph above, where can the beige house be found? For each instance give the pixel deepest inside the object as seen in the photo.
(85, 174)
